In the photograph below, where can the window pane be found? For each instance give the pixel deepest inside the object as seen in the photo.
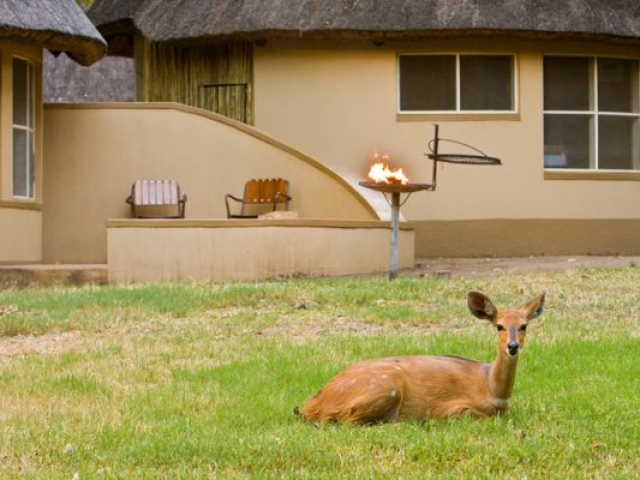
(567, 141)
(31, 100)
(427, 82)
(618, 140)
(617, 85)
(20, 91)
(31, 159)
(486, 82)
(567, 83)
(20, 164)
(23, 133)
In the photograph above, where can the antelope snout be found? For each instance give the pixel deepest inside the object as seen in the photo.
(513, 348)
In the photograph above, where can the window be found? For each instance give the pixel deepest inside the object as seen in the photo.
(457, 83)
(591, 113)
(23, 129)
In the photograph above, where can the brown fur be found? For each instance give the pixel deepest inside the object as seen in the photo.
(423, 387)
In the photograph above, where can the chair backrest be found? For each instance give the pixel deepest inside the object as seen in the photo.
(264, 190)
(155, 192)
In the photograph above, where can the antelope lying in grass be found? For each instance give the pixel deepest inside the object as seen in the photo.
(421, 387)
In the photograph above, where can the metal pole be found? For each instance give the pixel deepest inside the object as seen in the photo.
(395, 227)
(434, 172)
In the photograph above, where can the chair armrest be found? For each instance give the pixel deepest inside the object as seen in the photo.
(277, 199)
(226, 202)
(282, 194)
(228, 196)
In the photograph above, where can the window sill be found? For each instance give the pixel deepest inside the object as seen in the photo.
(21, 205)
(591, 175)
(458, 116)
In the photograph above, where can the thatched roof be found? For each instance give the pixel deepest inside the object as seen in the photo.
(58, 25)
(197, 20)
(110, 79)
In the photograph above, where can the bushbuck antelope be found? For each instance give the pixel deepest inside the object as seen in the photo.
(422, 387)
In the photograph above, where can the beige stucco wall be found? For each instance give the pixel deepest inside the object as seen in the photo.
(528, 237)
(322, 110)
(21, 238)
(209, 250)
(340, 104)
(95, 152)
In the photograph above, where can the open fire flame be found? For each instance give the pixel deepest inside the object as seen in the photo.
(381, 173)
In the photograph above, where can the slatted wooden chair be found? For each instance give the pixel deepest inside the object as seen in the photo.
(156, 199)
(266, 192)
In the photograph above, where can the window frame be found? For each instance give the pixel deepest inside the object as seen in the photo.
(458, 111)
(29, 127)
(593, 114)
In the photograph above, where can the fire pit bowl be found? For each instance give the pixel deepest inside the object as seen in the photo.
(397, 187)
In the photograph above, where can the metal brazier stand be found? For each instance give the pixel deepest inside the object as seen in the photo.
(395, 189)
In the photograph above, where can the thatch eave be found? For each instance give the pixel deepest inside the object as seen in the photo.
(85, 51)
(57, 25)
(215, 20)
(120, 37)
(123, 27)
(261, 37)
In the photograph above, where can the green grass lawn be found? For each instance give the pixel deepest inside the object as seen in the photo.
(199, 381)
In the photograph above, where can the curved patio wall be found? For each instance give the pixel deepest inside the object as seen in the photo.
(94, 152)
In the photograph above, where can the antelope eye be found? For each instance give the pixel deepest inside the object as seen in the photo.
(500, 328)
(523, 328)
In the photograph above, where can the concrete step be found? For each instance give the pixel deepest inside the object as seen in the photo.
(46, 275)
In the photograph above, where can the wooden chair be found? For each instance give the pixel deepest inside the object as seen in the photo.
(156, 199)
(269, 192)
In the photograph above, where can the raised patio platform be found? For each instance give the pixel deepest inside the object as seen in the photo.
(221, 250)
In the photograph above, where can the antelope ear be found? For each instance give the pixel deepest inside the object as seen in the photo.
(535, 307)
(481, 307)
